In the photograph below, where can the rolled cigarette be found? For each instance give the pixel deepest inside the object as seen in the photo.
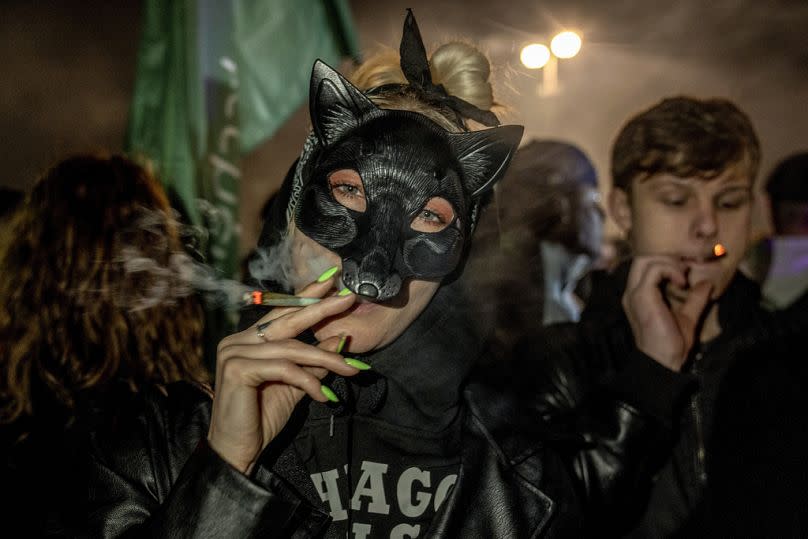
(275, 299)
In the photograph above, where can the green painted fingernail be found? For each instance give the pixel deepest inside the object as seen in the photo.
(329, 393)
(327, 274)
(341, 344)
(356, 364)
(344, 292)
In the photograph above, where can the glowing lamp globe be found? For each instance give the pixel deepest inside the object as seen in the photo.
(535, 56)
(566, 44)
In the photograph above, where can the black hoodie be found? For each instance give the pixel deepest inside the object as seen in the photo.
(388, 455)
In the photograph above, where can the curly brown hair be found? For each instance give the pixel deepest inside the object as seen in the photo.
(685, 137)
(63, 326)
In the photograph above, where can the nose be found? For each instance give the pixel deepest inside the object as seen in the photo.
(706, 223)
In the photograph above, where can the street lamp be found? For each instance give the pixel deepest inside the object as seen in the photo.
(564, 45)
(535, 56)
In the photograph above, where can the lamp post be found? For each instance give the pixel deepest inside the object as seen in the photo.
(563, 46)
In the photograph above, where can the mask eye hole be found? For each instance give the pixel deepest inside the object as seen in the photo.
(436, 215)
(346, 187)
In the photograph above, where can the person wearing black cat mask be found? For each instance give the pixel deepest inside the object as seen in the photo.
(351, 416)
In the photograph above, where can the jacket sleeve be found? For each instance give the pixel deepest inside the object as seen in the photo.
(163, 480)
(617, 407)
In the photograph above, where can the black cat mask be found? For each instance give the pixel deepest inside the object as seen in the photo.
(391, 191)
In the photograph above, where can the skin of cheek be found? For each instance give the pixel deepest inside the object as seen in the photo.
(309, 259)
(380, 324)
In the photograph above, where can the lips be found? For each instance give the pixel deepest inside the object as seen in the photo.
(704, 259)
(702, 268)
(363, 306)
(713, 255)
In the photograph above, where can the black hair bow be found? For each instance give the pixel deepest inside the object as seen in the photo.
(415, 66)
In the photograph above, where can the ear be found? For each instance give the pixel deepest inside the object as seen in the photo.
(335, 105)
(620, 209)
(485, 155)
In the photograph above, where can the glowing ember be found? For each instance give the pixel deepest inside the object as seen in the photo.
(274, 299)
(719, 250)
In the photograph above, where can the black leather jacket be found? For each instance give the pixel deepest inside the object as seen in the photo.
(571, 366)
(156, 477)
(758, 478)
(154, 474)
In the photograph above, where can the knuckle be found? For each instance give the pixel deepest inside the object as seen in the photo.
(223, 355)
(233, 369)
(223, 344)
(286, 368)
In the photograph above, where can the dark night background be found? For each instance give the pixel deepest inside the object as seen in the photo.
(68, 70)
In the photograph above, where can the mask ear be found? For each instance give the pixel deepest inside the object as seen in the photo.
(485, 155)
(335, 105)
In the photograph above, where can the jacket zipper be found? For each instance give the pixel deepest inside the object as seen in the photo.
(695, 408)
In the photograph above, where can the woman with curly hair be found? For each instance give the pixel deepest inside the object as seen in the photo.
(76, 339)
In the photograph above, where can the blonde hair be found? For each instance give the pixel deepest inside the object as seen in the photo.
(462, 69)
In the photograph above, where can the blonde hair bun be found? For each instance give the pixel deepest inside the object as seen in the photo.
(463, 71)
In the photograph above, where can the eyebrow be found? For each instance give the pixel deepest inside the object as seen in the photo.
(736, 186)
(731, 183)
(662, 183)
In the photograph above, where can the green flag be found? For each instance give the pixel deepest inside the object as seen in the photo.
(214, 79)
(278, 42)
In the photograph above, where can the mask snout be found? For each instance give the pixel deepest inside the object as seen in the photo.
(370, 282)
